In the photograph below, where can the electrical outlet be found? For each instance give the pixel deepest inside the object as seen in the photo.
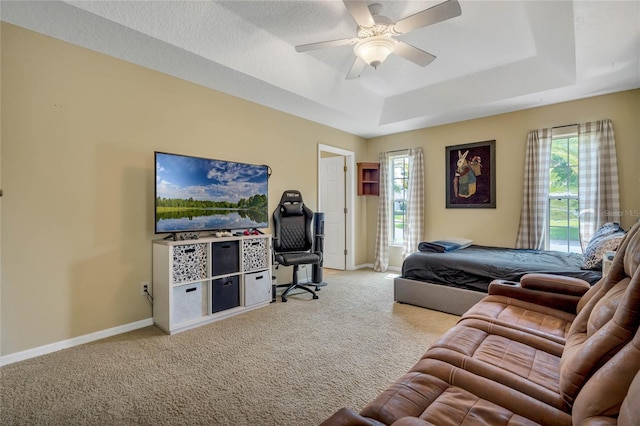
(145, 288)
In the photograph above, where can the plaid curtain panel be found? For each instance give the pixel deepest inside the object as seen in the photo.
(382, 232)
(599, 198)
(533, 217)
(415, 202)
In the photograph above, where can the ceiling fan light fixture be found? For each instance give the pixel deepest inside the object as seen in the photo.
(374, 50)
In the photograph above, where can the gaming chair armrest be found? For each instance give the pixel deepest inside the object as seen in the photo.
(274, 262)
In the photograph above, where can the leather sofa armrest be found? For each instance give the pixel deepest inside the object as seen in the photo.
(348, 417)
(562, 301)
(558, 284)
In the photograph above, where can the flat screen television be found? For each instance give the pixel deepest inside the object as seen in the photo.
(194, 194)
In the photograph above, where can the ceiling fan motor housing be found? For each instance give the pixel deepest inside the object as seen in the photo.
(376, 42)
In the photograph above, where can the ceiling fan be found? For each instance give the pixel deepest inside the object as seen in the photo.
(375, 34)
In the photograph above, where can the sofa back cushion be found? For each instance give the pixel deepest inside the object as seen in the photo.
(608, 321)
(609, 392)
(631, 259)
(629, 409)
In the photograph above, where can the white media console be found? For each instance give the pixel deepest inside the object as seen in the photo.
(200, 281)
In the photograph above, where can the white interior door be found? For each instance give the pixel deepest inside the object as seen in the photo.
(332, 200)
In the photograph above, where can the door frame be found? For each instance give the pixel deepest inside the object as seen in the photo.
(349, 192)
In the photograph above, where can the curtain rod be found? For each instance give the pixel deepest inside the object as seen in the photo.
(398, 150)
(566, 125)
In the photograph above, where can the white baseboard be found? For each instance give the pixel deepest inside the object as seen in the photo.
(370, 266)
(363, 266)
(69, 343)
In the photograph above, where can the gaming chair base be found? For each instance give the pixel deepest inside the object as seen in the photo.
(302, 286)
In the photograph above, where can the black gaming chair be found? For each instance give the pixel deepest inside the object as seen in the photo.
(293, 240)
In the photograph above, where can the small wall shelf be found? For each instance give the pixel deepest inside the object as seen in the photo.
(368, 178)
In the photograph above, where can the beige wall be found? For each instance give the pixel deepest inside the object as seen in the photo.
(499, 226)
(78, 134)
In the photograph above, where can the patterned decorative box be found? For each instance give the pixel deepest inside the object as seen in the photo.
(189, 263)
(255, 254)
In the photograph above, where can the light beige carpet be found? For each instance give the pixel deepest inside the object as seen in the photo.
(291, 363)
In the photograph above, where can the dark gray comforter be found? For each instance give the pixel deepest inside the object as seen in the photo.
(476, 266)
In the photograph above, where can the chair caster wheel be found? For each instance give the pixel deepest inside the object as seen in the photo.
(284, 300)
(315, 296)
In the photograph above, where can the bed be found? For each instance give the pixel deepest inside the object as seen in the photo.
(454, 281)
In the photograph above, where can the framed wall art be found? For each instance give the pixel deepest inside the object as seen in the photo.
(471, 175)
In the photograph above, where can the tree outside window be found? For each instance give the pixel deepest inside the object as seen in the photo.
(564, 220)
(400, 183)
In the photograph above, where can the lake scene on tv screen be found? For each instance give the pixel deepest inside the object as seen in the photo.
(198, 194)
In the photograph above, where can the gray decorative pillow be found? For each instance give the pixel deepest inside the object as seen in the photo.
(606, 239)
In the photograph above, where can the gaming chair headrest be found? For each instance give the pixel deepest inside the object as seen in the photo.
(291, 203)
(291, 196)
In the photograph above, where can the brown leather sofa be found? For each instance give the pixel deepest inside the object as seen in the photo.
(548, 350)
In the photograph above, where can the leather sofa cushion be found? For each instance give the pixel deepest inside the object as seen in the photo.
(348, 417)
(595, 338)
(443, 394)
(602, 396)
(606, 307)
(631, 247)
(455, 406)
(528, 364)
(629, 408)
(546, 322)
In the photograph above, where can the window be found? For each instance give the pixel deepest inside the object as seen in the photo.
(563, 214)
(399, 184)
(550, 221)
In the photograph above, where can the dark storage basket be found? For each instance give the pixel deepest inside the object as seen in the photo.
(225, 258)
(226, 293)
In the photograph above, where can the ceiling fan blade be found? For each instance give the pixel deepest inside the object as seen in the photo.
(438, 13)
(360, 12)
(323, 44)
(356, 69)
(413, 54)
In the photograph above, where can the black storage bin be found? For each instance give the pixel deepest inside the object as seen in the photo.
(226, 293)
(225, 258)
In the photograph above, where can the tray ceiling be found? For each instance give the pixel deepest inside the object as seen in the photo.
(498, 56)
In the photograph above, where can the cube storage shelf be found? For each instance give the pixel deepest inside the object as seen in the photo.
(196, 282)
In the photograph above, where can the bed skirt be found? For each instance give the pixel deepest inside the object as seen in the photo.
(438, 297)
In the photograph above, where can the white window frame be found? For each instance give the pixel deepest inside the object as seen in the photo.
(393, 241)
(566, 132)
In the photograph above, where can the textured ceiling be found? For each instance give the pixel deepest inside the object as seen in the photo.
(498, 56)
